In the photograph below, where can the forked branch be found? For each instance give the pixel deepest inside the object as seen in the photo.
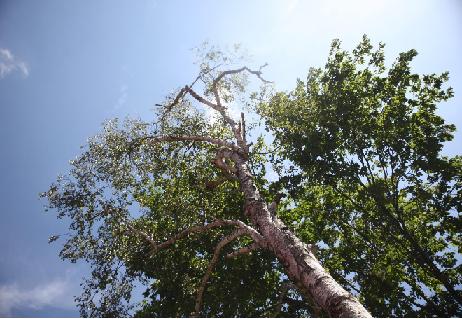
(236, 71)
(239, 130)
(244, 228)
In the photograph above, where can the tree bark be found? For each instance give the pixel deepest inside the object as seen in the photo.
(301, 266)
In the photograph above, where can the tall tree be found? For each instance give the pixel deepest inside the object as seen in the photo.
(181, 205)
(368, 181)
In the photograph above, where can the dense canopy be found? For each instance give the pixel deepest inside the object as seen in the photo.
(369, 181)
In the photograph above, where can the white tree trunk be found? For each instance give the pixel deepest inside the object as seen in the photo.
(300, 264)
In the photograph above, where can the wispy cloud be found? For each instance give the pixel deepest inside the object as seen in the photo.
(13, 296)
(9, 63)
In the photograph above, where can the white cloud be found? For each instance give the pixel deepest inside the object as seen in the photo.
(9, 63)
(48, 294)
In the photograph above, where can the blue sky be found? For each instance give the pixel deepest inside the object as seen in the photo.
(66, 66)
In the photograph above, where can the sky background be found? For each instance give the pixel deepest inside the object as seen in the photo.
(66, 66)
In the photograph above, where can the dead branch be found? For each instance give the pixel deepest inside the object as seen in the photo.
(177, 99)
(183, 90)
(235, 71)
(237, 132)
(208, 273)
(217, 107)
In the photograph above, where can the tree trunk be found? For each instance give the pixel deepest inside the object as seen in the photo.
(300, 264)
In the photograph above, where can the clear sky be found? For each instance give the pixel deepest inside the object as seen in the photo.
(66, 66)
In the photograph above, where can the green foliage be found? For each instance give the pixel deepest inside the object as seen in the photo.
(161, 189)
(368, 181)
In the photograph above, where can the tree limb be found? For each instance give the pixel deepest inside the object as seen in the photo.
(243, 130)
(235, 71)
(213, 262)
(217, 107)
(182, 92)
(237, 132)
(244, 228)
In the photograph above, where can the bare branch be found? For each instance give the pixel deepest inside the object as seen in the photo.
(235, 71)
(217, 107)
(213, 262)
(247, 230)
(202, 99)
(244, 250)
(183, 90)
(237, 132)
(179, 96)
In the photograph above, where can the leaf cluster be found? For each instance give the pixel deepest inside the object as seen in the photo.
(368, 181)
